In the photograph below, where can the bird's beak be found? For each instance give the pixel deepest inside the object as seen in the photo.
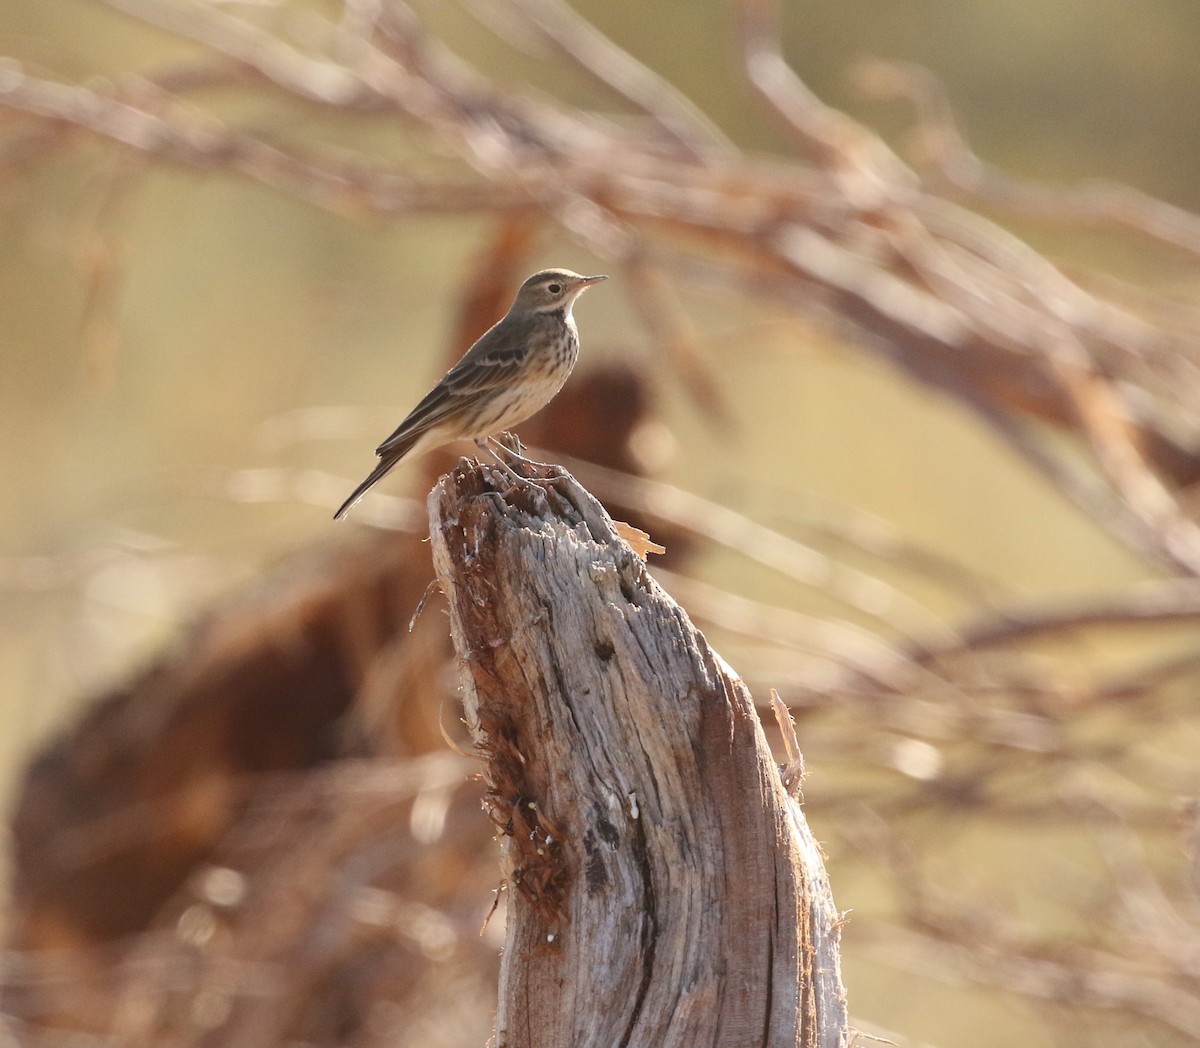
(585, 282)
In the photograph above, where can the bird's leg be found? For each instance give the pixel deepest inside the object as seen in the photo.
(516, 454)
(491, 444)
(482, 444)
(519, 456)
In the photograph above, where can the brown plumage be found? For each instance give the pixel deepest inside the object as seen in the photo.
(512, 371)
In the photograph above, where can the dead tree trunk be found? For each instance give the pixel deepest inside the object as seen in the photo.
(663, 887)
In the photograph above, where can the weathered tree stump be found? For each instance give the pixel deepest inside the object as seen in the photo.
(663, 887)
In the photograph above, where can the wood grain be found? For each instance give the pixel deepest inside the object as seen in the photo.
(663, 888)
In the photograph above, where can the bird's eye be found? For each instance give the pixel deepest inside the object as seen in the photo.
(554, 289)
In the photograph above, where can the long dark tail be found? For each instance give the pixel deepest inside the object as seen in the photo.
(378, 473)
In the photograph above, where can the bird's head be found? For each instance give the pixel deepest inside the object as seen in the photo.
(552, 289)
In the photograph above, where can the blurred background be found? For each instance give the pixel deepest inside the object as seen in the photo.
(928, 475)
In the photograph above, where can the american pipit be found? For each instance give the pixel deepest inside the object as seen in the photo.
(514, 369)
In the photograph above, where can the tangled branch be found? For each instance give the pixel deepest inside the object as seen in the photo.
(1091, 382)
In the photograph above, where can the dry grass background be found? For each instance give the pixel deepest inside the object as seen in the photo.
(263, 838)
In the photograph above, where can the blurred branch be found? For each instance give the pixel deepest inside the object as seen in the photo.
(591, 50)
(942, 144)
(787, 556)
(841, 145)
(1147, 603)
(673, 331)
(948, 295)
(182, 137)
(1111, 972)
(1092, 383)
(1085, 980)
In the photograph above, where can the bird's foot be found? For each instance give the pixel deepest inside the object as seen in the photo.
(505, 453)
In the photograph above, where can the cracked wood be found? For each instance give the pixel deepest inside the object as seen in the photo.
(663, 887)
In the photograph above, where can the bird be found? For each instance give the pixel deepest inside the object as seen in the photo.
(512, 371)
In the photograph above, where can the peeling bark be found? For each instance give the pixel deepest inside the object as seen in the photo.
(664, 888)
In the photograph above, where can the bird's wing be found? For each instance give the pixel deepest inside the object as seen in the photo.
(488, 365)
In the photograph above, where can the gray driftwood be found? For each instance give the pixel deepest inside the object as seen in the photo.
(663, 887)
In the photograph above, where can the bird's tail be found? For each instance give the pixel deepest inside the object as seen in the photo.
(386, 463)
(376, 474)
